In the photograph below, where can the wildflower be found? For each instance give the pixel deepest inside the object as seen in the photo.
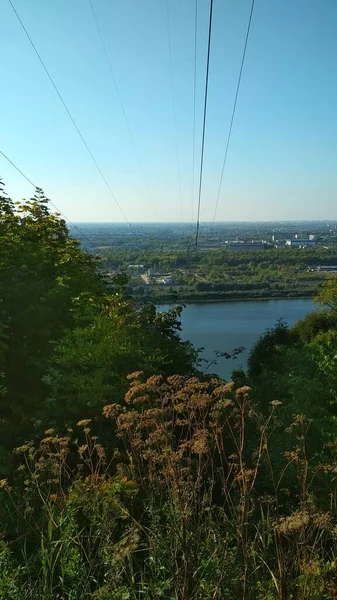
(192, 381)
(49, 431)
(134, 375)
(3, 484)
(134, 390)
(154, 380)
(298, 520)
(84, 422)
(53, 497)
(179, 408)
(176, 381)
(243, 390)
(222, 390)
(199, 401)
(276, 403)
(224, 403)
(322, 520)
(111, 410)
(22, 449)
(182, 422)
(48, 440)
(100, 451)
(141, 399)
(200, 442)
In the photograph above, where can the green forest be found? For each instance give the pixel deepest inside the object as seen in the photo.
(222, 274)
(129, 473)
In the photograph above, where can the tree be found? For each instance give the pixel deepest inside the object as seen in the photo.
(91, 362)
(41, 269)
(66, 346)
(313, 324)
(264, 353)
(327, 293)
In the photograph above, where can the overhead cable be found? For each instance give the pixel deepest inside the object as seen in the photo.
(50, 202)
(204, 119)
(68, 112)
(174, 109)
(194, 98)
(127, 123)
(234, 108)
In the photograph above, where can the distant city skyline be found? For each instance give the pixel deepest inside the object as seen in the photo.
(210, 223)
(283, 154)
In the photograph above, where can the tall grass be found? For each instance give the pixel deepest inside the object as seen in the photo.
(198, 499)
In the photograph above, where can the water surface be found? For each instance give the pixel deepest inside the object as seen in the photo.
(226, 325)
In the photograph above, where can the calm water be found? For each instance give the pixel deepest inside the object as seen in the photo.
(224, 326)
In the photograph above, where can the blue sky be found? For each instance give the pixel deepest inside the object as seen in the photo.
(282, 161)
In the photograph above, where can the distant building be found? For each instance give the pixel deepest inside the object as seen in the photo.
(298, 243)
(248, 246)
(324, 269)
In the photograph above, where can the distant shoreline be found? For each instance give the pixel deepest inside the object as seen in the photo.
(179, 301)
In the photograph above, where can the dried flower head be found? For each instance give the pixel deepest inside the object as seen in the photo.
(296, 521)
(111, 411)
(84, 422)
(134, 375)
(245, 389)
(154, 380)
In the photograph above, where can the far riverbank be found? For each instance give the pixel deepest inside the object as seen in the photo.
(224, 297)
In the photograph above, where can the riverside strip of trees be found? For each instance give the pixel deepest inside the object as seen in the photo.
(128, 473)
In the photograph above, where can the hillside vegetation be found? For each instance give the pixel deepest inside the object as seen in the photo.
(127, 473)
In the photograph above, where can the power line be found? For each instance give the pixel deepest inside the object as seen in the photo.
(234, 107)
(68, 111)
(194, 96)
(174, 108)
(17, 168)
(50, 202)
(119, 98)
(204, 119)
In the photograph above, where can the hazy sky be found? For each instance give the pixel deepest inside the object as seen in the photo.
(282, 162)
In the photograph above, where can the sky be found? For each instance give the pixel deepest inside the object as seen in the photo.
(282, 159)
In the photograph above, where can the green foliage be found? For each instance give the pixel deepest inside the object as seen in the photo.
(192, 488)
(223, 274)
(65, 345)
(298, 367)
(90, 364)
(73, 525)
(313, 324)
(265, 351)
(11, 576)
(327, 293)
(41, 269)
(178, 512)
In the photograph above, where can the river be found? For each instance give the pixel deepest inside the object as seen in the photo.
(226, 325)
